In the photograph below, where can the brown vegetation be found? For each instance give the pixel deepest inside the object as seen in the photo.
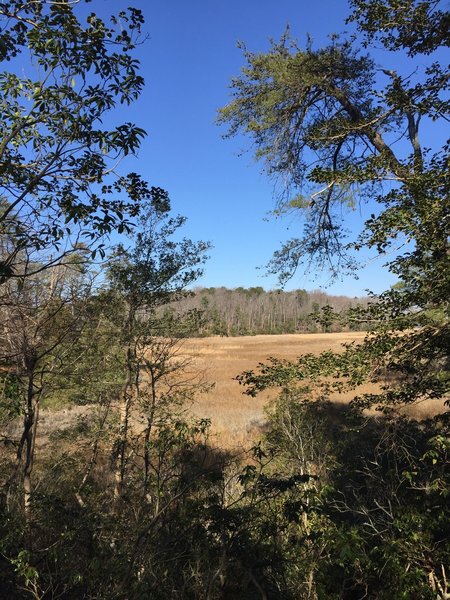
(237, 419)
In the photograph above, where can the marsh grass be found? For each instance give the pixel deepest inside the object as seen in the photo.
(237, 419)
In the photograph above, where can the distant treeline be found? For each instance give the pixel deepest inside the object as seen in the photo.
(251, 311)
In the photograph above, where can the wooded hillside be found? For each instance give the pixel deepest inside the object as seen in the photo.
(250, 311)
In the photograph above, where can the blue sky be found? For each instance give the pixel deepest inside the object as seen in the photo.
(188, 61)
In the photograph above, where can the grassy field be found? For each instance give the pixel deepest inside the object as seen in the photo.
(236, 418)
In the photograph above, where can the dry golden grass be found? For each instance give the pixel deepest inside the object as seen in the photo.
(237, 418)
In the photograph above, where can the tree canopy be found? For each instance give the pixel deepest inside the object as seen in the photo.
(338, 131)
(323, 123)
(332, 135)
(128, 497)
(59, 178)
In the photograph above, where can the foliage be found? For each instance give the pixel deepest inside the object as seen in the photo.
(42, 317)
(66, 339)
(322, 128)
(294, 102)
(152, 272)
(57, 160)
(156, 269)
(374, 504)
(323, 123)
(253, 311)
(132, 501)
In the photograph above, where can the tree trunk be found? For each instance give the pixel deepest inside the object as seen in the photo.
(124, 419)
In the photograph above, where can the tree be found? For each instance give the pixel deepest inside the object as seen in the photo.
(320, 126)
(323, 123)
(151, 273)
(41, 318)
(297, 102)
(60, 191)
(104, 345)
(61, 194)
(58, 161)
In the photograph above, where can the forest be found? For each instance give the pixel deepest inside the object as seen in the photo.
(134, 500)
(253, 311)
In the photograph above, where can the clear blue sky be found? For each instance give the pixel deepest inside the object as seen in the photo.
(187, 62)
